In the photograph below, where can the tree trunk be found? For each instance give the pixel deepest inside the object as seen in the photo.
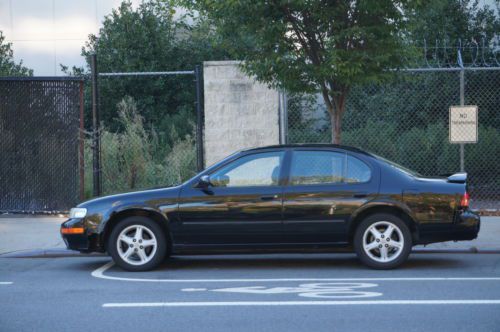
(335, 107)
(336, 122)
(333, 115)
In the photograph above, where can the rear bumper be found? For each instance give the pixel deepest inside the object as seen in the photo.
(84, 242)
(466, 226)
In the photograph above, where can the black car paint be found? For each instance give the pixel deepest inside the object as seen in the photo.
(282, 217)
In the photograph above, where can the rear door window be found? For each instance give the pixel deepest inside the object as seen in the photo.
(316, 167)
(322, 167)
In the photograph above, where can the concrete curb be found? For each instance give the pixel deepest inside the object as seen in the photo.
(47, 253)
(61, 253)
(472, 250)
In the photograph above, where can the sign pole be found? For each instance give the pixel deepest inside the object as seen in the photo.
(199, 119)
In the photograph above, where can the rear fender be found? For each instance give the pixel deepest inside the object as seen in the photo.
(384, 206)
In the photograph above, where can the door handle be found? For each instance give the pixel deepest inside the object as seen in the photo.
(360, 195)
(268, 197)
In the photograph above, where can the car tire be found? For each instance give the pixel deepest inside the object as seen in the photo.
(383, 241)
(137, 244)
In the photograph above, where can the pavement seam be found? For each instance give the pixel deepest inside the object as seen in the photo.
(53, 253)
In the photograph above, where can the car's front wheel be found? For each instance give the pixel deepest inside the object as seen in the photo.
(137, 244)
(383, 241)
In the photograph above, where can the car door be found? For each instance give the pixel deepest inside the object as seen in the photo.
(243, 204)
(323, 189)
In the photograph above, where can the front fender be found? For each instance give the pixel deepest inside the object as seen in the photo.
(126, 210)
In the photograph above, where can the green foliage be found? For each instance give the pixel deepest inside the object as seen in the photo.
(143, 40)
(8, 67)
(302, 45)
(428, 151)
(134, 158)
(451, 20)
(314, 46)
(153, 144)
(448, 24)
(406, 120)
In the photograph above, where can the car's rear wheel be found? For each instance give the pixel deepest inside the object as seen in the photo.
(137, 244)
(382, 241)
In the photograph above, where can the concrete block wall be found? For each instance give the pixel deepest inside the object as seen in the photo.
(239, 112)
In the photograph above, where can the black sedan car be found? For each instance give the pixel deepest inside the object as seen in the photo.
(280, 198)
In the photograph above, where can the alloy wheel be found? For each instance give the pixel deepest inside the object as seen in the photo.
(136, 245)
(383, 241)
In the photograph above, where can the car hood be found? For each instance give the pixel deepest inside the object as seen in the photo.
(151, 197)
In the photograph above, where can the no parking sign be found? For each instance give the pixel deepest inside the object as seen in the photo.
(463, 124)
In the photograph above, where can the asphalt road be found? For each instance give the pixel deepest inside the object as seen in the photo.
(310, 292)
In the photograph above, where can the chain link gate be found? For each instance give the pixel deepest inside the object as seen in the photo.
(40, 118)
(406, 120)
(135, 147)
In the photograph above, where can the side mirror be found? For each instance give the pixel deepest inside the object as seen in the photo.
(204, 182)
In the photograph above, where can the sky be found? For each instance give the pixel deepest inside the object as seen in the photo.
(47, 33)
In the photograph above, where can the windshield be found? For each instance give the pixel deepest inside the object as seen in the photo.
(398, 166)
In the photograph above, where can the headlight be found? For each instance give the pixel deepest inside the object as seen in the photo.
(77, 213)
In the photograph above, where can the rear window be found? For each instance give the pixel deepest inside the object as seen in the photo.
(398, 166)
(357, 171)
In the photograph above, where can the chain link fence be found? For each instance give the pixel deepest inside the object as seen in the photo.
(147, 131)
(39, 141)
(406, 121)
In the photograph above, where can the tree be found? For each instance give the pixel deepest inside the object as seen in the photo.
(452, 19)
(313, 46)
(147, 39)
(8, 67)
(448, 24)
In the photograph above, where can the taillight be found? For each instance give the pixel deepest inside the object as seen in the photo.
(464, 202)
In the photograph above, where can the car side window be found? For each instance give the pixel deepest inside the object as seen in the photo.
(261, 169)
(357, 171)
(316, 167)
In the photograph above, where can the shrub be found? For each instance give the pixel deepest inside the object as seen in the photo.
(134, 158)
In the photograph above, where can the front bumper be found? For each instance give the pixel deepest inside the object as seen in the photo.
(83, 242)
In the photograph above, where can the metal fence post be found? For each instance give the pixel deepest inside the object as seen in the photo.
(199, 120)
(283, 117)
(95, 128)
(81, 147)
(462, 103)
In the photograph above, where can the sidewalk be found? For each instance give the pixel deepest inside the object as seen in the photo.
(27, 235)
(30, 232)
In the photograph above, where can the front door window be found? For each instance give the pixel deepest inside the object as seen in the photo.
(261, 169)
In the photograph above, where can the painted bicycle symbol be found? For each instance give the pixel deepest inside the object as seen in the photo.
(331, 290)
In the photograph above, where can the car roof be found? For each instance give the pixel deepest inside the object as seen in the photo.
(309, 145)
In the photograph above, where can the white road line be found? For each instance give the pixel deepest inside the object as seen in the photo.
(295, 303)
(6, 282)
(99, 273)
(194, 289)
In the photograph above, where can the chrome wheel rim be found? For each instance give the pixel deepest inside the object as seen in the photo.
(136, 245)
(383, 242)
